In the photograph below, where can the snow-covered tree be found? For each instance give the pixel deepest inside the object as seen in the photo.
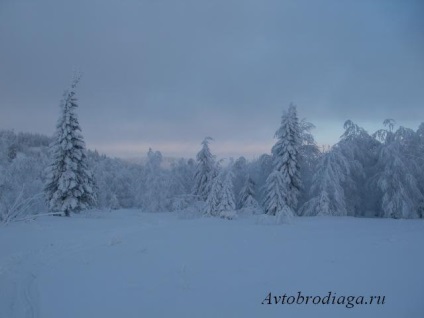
(221, 201)
(214, 198)
(327, 190)
(227, 200)
(418, 155)
(276, 194)
(155, 196)
(116, 180)
(309, 155)
(360, 149)
(7, 146)
(181, 183)
(205, 171)
(259, 170)
(283, 184)
(182, 172)
(398, 186)
(70, 185)
(240, 172)
(23, 159)
(248, 194)
(21, 187)
(400, 193)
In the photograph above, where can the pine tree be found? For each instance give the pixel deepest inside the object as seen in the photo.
(205, 171)
(70, 185)
(283, 184)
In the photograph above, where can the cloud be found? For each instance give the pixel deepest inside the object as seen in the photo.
(170, 71)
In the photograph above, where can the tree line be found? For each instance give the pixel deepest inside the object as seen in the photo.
(364, 175)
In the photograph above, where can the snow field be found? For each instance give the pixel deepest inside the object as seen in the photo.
(131, 264)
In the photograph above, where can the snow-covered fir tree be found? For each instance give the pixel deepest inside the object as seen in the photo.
(248, 195)
(205, 171)
(227, 200)
(276, 194)
(70, 185)
(283, 184)
(214, 197)
(221, 201)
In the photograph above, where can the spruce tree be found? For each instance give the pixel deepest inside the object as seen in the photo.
(276, 193)
(205, 171)
(221, 201)
(69, 186)
(227, 202)
(283, 184)
(214, 197)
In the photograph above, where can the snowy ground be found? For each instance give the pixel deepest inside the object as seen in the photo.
(131, 264)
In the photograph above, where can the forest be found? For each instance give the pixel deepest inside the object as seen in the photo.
(362, 175)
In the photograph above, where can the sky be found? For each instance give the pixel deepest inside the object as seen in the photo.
(167, 73)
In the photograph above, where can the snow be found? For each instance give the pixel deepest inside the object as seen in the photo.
(130, 264)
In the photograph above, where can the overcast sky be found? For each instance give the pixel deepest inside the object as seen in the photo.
(166, 74)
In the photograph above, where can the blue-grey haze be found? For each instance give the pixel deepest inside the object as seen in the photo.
(165, 73)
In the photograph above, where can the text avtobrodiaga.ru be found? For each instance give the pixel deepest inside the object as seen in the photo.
(329, 299)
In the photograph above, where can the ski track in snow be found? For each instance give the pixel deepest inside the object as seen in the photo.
(18, 273)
